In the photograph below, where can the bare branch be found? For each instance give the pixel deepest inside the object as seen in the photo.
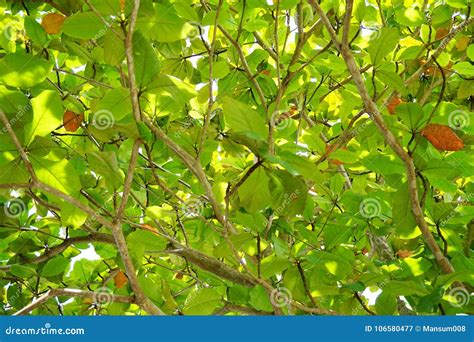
(347, 22)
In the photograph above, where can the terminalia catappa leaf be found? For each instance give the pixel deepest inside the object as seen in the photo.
(53, 22)
(72, 121)
(442, 137)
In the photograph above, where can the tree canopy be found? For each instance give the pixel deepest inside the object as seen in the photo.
(242, 157)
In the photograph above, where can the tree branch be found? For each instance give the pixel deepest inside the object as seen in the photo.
(71, 293)
(141, 299)
(439, 49)
(390, 139)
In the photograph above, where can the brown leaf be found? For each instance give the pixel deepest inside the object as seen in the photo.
(392, 105)
(330, 149)
(403, 253)
(120, 280)
(442, 137)
(53, 22)
(72, 121)
(441, 33)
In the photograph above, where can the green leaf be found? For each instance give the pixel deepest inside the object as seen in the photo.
(383, 44)
(386, 303)
(202, 302)
(106, 165)
(55, 266)
(410, 16)
(403, 217)
(165, 25)
(259, 299)
(393, 79)
(47, 115)
(448, 279)
(22, 271)
(86, 25)
(254, 193)
(114, 49)
(35, 31)
(147, 64)
(411, 114)
(116, 103)
(464, 68)
(147, 240)
(405, 288)
(59, 174)
(240, 117)
(23, 71)
(334, 263)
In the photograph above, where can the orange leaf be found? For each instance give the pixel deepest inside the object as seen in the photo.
(120, 279)
(122, 5)
(330, 149)
(403, 253)
(441, 33)
(53, 22)
(72, 121)
(149, 228)
(442, 137)
(394, 102)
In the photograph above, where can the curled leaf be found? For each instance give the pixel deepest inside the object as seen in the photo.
(442, 137)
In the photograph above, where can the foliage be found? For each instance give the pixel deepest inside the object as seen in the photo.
(227, 143)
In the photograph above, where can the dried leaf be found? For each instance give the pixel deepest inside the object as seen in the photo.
(442, 137)
(330, 149)
(403, 253)
(72, 121)
(392, 105)
(120, 280)
(53, 22)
